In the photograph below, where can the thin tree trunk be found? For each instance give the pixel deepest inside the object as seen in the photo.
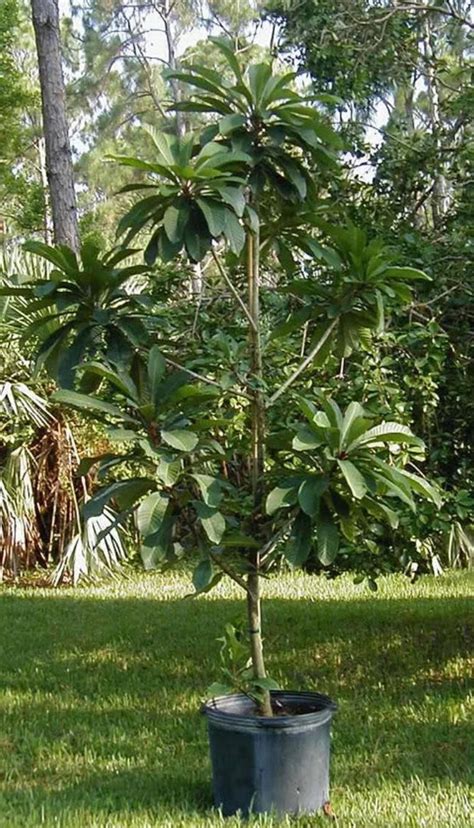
(257, 460)
(166, 12)
(53, 98)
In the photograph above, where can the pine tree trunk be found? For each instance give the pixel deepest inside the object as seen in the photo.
(53, 97)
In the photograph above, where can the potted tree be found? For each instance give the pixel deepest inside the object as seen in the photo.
(275, 468)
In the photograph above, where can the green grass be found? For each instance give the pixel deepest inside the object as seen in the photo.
(100, 691)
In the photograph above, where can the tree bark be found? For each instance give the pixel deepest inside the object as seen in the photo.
(439, 200)
(59, 170)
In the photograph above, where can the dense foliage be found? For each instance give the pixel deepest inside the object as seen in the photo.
(162, 346)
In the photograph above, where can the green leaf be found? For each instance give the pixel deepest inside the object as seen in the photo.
(218, 689)
(168, 471)
(354, 411)
(174, 222)
(353, 477)
(197, 244)
(300, 543)
(422, 487)
(231, 122)
(181, 439)
(156, 371)
(328, 540)
(202, 575)
(395, 486)
(125, 492)
(259, 74)
(332, 411)
(234, 197)
(406, 273)
(162, 142)
(213, 521)
(280, 498)
(51, 254)
(166, 249)
(385, 433)
(150, 513)
(234, 232)
(214, 213)
(310, 492)
(306, 439)
(230, 55)
(90, 404)
(210, 488)
(239, 539)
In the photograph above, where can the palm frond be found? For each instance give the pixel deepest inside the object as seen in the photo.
(18, 400)
(95, 551)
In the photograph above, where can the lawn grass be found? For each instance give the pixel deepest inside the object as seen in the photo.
(100, 691)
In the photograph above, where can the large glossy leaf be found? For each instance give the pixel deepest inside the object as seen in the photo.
(211, 489)
(51, 254)
(230, 55)
(214, 213)
(281, 497)
(406, 273)
(234, 232)
(328, 540)
(422, 487)
(234, 197)
(91, 405)
(353, 412)
(180, 438)
(229, 123)
(174, 222)
(354, 478)
(125, 492)
(150, 513)
(385, 433)
(310, 492)
(300, 542)
(213, 521)
(202, 575)
(306, 439)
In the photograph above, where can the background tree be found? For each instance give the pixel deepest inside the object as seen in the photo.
(59, 169)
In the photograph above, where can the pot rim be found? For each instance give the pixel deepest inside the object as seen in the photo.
(218, 712)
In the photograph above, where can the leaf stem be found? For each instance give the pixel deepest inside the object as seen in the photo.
(304, 364)
(234, 291)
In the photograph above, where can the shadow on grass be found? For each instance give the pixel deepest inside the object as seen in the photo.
(101, 697)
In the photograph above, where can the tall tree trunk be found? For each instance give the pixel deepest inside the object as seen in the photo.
(47, 221)
(53, 98)
(439, 201)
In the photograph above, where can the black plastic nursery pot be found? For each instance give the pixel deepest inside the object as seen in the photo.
(278, 763)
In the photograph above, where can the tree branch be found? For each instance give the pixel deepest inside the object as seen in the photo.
(230, 572)
(233, 290)
(305, 363)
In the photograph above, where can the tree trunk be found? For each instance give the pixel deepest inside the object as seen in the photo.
(53, 99)
(47, 221)
(257, 458)
(439, 201)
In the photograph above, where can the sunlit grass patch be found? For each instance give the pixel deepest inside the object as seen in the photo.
(101, 688)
